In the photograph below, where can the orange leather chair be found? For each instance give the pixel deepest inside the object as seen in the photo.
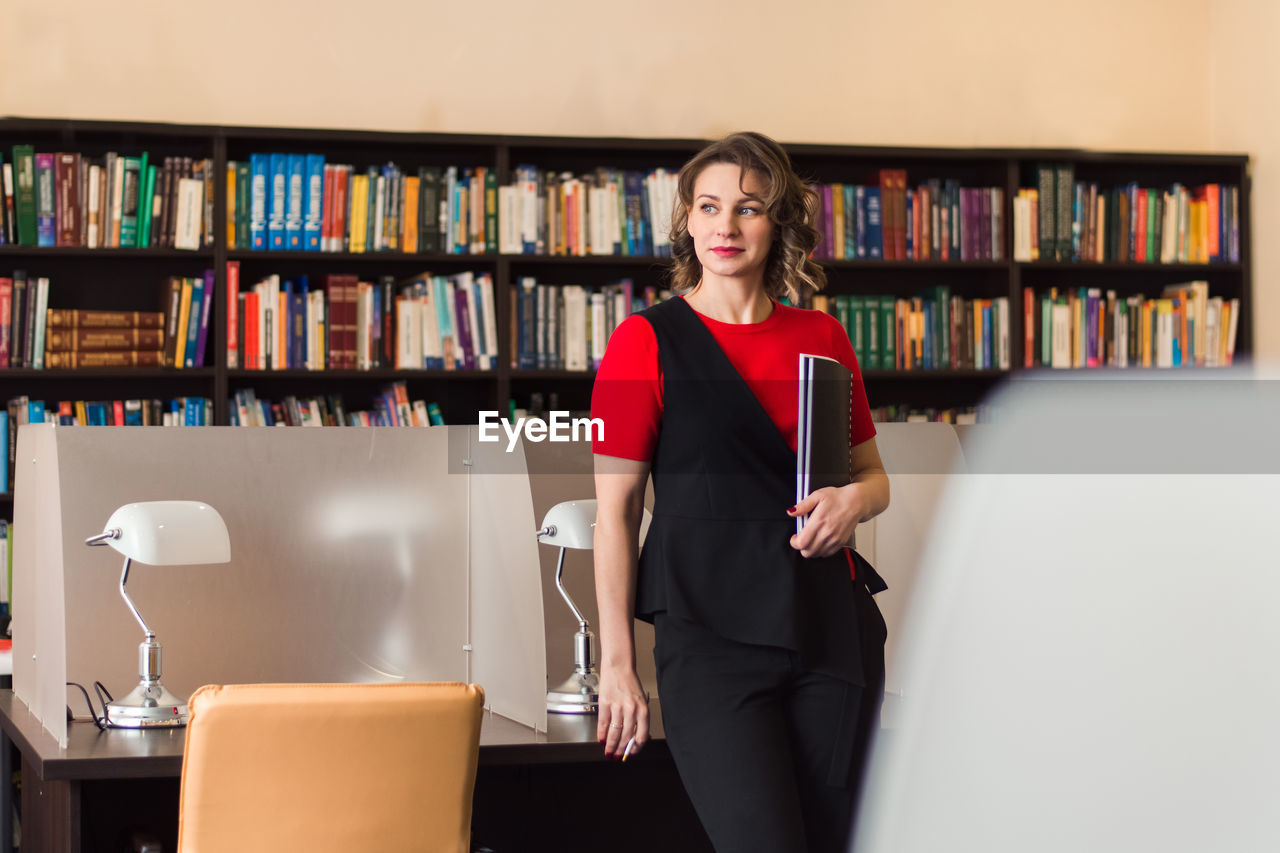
(322, 767)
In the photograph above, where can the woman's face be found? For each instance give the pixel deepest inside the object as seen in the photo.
(731, 232)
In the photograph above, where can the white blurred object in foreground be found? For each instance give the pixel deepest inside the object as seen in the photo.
(1091, 657)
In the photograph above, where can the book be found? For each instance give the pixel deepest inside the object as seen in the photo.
(79, 340)
(105, 358)
(73, 318)
(825, 399)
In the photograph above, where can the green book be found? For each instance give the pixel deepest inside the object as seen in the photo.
(841, 302)
(491, 212)
(146, 204)
(1046, 330)
(871, 332)
(243, 204)
(942, 314)
(857, 325)
(888, 334)
(1153, 225)
(24, 192)
(130, 202)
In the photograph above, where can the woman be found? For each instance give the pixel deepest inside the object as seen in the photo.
(770, 657)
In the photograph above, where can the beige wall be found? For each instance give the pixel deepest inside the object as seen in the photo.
(1245, 95)
(1117, 74)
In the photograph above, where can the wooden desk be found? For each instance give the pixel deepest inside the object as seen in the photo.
(534, 790)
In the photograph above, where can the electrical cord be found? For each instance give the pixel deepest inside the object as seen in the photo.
(100, 722)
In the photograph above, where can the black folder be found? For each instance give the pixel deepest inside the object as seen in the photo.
(822, 430)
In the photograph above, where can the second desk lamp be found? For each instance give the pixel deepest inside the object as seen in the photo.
(571, 525)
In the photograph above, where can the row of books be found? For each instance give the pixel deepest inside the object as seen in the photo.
(423, 322)
(906, 413)
(566, 326)
(115, 201)
(938, 220)
(32, 335)
(1089, 327)
(300, 202)
(179, 411)
(935, 331)
(1062, 219)
(391, 407)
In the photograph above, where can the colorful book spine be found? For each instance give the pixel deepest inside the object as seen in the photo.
(313, 204)
(277, 199)
(295, 176)
(46, 212)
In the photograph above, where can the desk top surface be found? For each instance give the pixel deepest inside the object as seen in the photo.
(130, 753)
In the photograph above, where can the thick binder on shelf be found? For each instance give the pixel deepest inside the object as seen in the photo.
(822, 429)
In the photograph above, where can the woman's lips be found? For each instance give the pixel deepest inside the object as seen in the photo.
(726, 251)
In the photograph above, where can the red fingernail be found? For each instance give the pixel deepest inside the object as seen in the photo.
(793, 509)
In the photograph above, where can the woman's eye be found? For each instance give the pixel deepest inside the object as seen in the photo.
(747, 211)
(708, 208)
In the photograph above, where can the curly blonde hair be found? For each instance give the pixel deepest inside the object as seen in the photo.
(791, 206)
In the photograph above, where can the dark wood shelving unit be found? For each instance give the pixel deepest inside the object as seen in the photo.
(131, 279)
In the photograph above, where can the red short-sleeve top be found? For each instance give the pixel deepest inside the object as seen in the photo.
(627, 395)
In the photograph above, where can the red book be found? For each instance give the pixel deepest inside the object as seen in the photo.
(251, 308)
(66, 177)
(233, 314)
(326, 215)
(6, 319)
(340, 182)
(1028, 326)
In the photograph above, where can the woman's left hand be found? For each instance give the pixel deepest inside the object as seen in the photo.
(833, 514)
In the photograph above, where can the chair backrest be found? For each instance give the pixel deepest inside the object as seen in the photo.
(321, 767)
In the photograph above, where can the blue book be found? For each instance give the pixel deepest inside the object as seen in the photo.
(313, 202)
(96, 413)
(370, 232)
(860, 220)
(192, 331)
(258, 168)
(440, 296)
(295, 175)
(988, 360)
(46, 209)
(911, 211)
(194, 412)
(206, 307)
(875, 232)
(304, 289)
(35, 411)
(297, 329)
(277, 199)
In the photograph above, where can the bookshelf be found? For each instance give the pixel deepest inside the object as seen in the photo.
(132, 278)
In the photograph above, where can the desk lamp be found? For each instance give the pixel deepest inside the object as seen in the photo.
(570, 525)
(159, 533)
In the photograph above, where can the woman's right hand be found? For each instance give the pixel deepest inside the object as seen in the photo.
(624, 711)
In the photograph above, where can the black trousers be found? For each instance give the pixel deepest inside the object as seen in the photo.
(770, 754)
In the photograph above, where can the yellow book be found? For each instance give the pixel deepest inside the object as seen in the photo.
(837, 220)
(179, 342)
(359, 212)
(409, 235)
(231, 205)
(82, 413)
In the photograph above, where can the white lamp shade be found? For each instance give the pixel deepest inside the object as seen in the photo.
(574, 523)
(170, 533)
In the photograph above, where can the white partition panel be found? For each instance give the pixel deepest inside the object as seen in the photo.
(507, 611)
(919, 457)
(1089, 658)
(350, 556)
(39, 636)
